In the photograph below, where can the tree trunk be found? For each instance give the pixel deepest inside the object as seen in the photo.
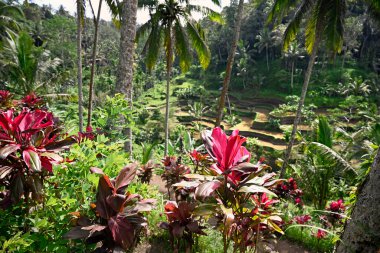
(362, 231)
(230, 63)
(292, 77)
(267, 55)
(79, 56)
(169, 63)
(91, 88)
(300, 104)
(126, 60)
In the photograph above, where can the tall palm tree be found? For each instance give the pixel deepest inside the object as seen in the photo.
(172, 27)
(264, 41)
(292, 54)
(9, 16)
(324, 20)
(96, 20)
(127, 16)
(80, 17)
(230, 63)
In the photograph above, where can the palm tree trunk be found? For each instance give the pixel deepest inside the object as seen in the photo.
(362, 231)
(91, 89)
(126, 60)
(301, 103)
(169, 64)
(230, 63)
(292, 76)
(79, 56)
(267, 55)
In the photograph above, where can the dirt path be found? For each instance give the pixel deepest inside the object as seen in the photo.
(284, 246)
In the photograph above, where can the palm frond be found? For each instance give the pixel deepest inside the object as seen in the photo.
(207, 12)
(143, 30)
(115, 8)
(335, 25)
(196, 35)
(153, 43)
(182, 48)
(12, 11)
(279, 10)
(147, 3)
(330, 156)
(324, 135)
(147, 152)
(311, 27)
(294, 26)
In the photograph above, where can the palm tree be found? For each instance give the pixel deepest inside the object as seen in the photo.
(172, 27)
(292, 54)
(264, 41)
(127, 15)
(324, 20)
(230, 63)
(8, 20)
(80, 15)
(96, 20)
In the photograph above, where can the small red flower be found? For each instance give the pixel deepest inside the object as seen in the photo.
(302, 219)
(320, 234)
(298, 201)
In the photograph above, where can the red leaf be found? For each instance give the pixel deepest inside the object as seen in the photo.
(105, 189)
(125, 176)
(8, 149)
(206, 189)
(4, 171)
(96, 171)
(116, 201)
(32, 160)
(123, 232)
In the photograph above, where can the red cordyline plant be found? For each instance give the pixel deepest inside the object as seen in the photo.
(235, 192)
(32, 100)
(174, 172)
(6, 99)
(289, 190)
(29, 147)
(119, 220)
(181, 224)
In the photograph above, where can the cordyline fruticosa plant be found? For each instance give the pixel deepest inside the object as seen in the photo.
(234, 193)
(119, 220)
(174, 172)
(29, 147)
(181, 224)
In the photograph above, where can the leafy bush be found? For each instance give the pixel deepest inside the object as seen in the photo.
(29, 147)
(290, 108)
(229, 184)
(113, 116)
(119, 219)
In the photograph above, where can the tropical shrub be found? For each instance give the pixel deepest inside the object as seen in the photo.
(233, 193)
(181, 224)
(174, 172)
(113, 116)
(30, 142)
(119, 220)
